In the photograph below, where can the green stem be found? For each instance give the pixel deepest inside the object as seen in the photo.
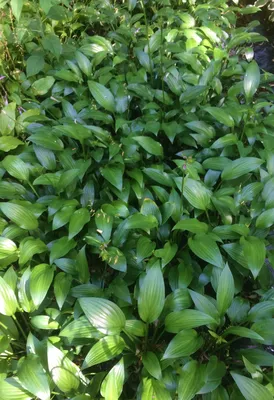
(146, 337)
(148, 45)
(20, 327)
(33, 188)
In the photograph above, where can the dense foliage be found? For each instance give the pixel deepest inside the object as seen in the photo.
(137, 202)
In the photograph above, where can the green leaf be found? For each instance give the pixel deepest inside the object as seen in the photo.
(240, 167)
(220, 115)
(10, 389)
(104, 224)
(33, 377)
(251, 389)
(103, 314)
(265, 219)
(83, 62)
(35, 64)
(40, 280)
(20, 215)
(80, 329)
(104, 350)
(62, 217)
(191, 380)
(29, 247)
(112, 385)
(52, 43)
(135, 327)
(16, 6)
(152, 365)
(153, 389)
(102, 95)
(16, 167)
(225, 290)
(7, 247)
(42, 86)
(8, 301)
(47, 140)
(251, 80)
(62, 283)
(187, 319)
(65, 374)
(78, 220)
(44, 322)
(264, 328)
(7, 119)
(144, 248)
(151, 297)
(204, 247)
(8, 143)
(196, 194)
(140, 221)
(183, 344)
(254, 252)
(242, 332)
(61, 247)
(191, 225)
(114, 175)
(150, 145)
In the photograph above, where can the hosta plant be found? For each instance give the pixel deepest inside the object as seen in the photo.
(137, 202)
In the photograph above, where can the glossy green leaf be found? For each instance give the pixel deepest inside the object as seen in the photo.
(251, 79)
(220, 115)
(16, 167)
(8, 301)
(61, 247)
(196, 194)
(20, 215)
(152, 294)
(43, 85)
(112, 385)
(10, 389)
(105, 315)
(29, 247)
(242, 332)
(152, 364)
(254, 253)
(204, 247)
(102, 95)
(47, 140)
(114, 175)
(65, 374)
(241, 167)
(191, 380)
(183, 344)
(251, 389)
(104, 350)
(62, 284)
(135, 327)
(78, 220)
(191, 225)
(186, 319)
(225, 290)
(40, 280)
(7, 247)
(265, 219)
(33, 377)
(150, 145)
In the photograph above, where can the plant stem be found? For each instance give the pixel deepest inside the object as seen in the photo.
(33, 189)
(148, 45)
(146, 337)
(20, 327)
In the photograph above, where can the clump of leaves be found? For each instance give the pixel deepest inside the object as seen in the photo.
(137, 205)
